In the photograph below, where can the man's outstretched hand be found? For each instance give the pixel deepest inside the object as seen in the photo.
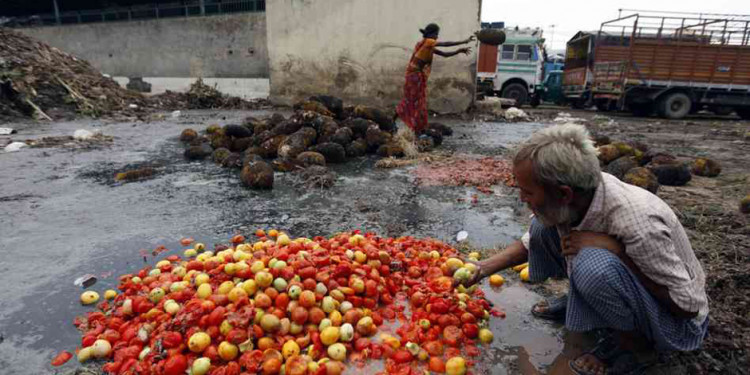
(476, 276)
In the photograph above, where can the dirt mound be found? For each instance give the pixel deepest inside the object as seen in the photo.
(203, 96)
(42, 82)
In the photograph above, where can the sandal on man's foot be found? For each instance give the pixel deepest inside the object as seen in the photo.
(628, 364)
(604, 351)
(553, 309)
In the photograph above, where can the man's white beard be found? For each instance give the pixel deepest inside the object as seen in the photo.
(555, 215)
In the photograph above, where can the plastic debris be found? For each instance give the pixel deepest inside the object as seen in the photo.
(462, 235)
(84, 135)
(85, 281)
(15, 146)
(176, 114)
(7, 131)
(513, 114)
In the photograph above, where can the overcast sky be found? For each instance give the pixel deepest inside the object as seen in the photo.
(571, 16)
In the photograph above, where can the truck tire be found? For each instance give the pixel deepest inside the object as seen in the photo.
(641, 109)
(675, 105)
(516, 91)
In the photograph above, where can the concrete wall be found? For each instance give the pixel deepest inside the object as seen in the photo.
(358, 49)
(214, 46)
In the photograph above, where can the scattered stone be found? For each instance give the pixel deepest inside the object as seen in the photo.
(309, 158)
(608, 153)
(237, 131)
(706, 167)
(357, 148)
(343, 136)
(257, 175)
(333, 152)
(745, 205)
(621, 166)
(390, 150)
(85, 281)
(674, 174)
(138, 84)
(643, 178)
(188, 135)
(378, 116)
(219, 155)
(198, 152)
(135, 174)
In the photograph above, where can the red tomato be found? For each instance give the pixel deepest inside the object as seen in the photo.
(171, 339)
(402, 356)
(88, 340)
(470, 330)
(61, 358)
(436, 365)
(175, 365)
(217, 316)
(452, 335)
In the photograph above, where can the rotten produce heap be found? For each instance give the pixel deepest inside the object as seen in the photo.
(321, 131)
(306, 306)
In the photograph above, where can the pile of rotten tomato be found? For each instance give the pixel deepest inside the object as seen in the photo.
(282, 306)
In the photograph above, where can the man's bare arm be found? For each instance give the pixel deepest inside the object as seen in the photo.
(512, 255)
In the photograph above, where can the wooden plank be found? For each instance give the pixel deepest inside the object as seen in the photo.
(487, 61)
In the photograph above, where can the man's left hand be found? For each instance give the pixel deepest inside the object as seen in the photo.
(577, 240)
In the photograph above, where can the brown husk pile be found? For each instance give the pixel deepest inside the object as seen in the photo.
(45, 83)
(42, 82)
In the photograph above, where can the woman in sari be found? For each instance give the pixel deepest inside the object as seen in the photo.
(413, 107)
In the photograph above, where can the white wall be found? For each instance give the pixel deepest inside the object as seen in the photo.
(245, 88)
(358, 49)
(223, 46)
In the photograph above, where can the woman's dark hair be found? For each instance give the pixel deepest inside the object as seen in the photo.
(430, 30)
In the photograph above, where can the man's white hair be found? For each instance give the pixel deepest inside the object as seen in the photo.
(562, 155)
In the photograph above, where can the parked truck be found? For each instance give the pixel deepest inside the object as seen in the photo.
(513, 70)
(672, 65)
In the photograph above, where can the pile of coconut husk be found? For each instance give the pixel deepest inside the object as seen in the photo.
(203, 96)
(321, 131)
(636, 164)
(42, 82)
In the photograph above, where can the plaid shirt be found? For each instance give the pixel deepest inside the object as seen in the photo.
(653, 237)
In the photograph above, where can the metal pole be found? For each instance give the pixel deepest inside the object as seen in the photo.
(203, 7)
(57, 12)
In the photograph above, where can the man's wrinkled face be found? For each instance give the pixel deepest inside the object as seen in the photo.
(547, 206)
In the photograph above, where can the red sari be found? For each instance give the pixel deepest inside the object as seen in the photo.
(413, 107)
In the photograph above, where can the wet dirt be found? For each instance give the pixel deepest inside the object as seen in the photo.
(65, 215)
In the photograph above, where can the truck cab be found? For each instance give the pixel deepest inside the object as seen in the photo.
(515, 69)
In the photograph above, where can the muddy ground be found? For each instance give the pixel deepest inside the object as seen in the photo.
(65, 216)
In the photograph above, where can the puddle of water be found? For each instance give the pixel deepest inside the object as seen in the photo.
(68, 217)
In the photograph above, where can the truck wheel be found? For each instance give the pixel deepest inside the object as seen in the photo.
(516, 91)
(675, 105)
(722, 111)
(744, 113)
(641, 109)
